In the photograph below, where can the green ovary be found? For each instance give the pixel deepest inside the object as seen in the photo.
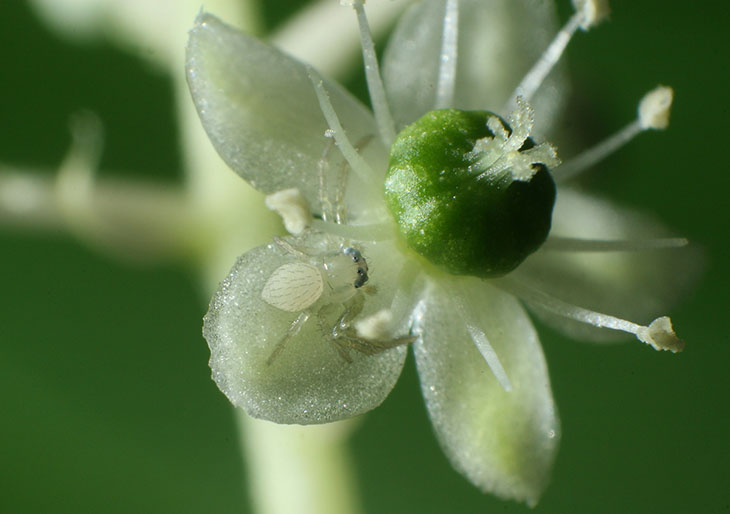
(459, 216)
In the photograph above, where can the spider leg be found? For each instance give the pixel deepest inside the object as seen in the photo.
(322, 319)
(341, 350)
(288, 248)
(368, 346)
(293, 330)
(345, 336)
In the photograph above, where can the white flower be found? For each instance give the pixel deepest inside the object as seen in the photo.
(314, 328)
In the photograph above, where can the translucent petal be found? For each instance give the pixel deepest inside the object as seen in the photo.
(499, 40)
(504, 442)
(260, 110)
(638, 285)
(308, 381)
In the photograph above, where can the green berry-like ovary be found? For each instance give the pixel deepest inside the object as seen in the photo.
(458, 215)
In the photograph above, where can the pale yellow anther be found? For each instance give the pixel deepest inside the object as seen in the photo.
(660, 335)
(293, 208)
(654, 108)
(376, 326)
(592, 12)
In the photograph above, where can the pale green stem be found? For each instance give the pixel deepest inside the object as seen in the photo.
(132, 219)
(302, 469)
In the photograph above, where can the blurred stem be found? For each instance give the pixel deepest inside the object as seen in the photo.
(131, 219)
(302, 469)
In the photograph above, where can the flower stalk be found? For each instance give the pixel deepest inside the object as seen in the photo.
(302, 469)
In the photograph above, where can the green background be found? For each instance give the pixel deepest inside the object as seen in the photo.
(106, 402)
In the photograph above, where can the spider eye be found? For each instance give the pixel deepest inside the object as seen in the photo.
(362, 277)
(354, 253)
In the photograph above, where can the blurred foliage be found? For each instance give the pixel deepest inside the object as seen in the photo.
(107, 403)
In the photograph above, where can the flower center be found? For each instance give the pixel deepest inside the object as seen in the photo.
(469, 192)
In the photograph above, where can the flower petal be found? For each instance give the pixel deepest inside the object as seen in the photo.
(261, 112)
(308, 381)
(498, 42)
(636, 285)
(504, 442)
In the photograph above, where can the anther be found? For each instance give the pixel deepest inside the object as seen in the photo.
(376, 326)
(593, 12)
(654, 108)
(293, 208)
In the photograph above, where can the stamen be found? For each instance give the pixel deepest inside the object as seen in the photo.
(357, 163)
(588, 13)
(653, 113)
(659, 334)
(376, 326)
(361, 233)
(654, 108)
(570, 244)
(449, 52)
(323, 171)
(381, 109)
(293, 208)
(480, 340)
(593, 11)
(594, 155)
(535, 77)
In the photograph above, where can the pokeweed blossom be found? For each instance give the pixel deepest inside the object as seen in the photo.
(426, 223)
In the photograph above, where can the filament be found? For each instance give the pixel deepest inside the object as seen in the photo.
(570, 244)
(448, 59)
(357, 163)
(588, 158)
(550, 57)
(381, 109)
